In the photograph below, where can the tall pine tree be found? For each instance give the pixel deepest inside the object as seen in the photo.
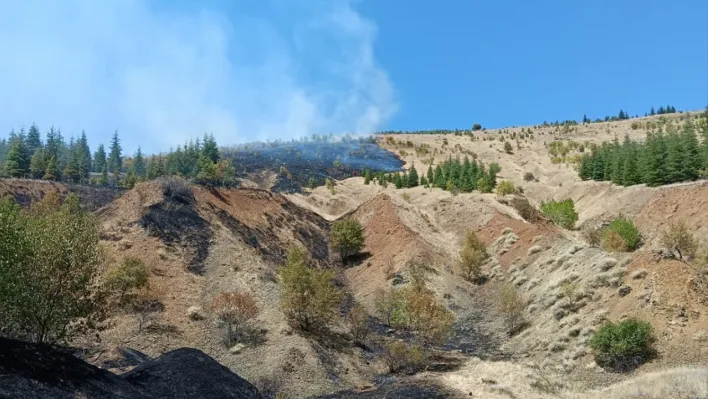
(115, 158)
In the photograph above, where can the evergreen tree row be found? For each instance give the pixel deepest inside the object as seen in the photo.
(665, 157)
(450, 175)
(25, 155)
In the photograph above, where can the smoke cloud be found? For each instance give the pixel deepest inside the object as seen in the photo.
(163, 72)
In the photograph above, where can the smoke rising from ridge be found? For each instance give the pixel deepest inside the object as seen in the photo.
(160, 75)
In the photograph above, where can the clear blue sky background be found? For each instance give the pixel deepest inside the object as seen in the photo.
(456, 62)
(164, 71)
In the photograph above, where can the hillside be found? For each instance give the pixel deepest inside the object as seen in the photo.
(200, 241)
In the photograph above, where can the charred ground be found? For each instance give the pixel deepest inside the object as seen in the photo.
(296, 162)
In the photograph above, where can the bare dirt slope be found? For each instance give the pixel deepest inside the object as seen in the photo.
(200, 242)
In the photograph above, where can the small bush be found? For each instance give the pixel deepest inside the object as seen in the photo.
(476, 127)
(400, 356)
(406, 197)
(528, 176)
(628, 234)
(561, 213)
(347, 237)
(472, 256)
(131, 274)
(358, 320)
(235, 310)
(593, 236)
(677, 238)
(505, 187)
(624, 345)
(613, 242)
(525, 209)
(511, 305)
(508, 148)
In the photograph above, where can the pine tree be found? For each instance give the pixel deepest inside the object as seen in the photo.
(654, 160)
(691, 153)
(209, 148)
(424, 181)
(52, 171)
(38, 164)
(430, 174)
(103, 180)
(83, 157)
(661, 110)
(413, 177)
(71, 170)
(33, 140)
(139, 169)
(99, 159)
(652, 112)
(439, 178)
(703, 130)
(397, 181)
(14, 160)
(630, 173)
(115, 159)
(674, 159)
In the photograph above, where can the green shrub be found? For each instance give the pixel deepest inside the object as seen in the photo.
(347, 237)
(623, 345)
(625, 229)
(505, 187)
(131, 274)
(561, 213)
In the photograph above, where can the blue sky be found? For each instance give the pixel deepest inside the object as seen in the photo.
(162, 71)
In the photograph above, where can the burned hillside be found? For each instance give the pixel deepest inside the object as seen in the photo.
(299, 164)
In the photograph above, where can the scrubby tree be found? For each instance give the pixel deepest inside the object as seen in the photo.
(623, 345)
(678, 238)
(309, 297)
(472, 256)
(508, 148)
(347, 237)
(235, 310)
(561, 213)
(49, 258)
(131, 274)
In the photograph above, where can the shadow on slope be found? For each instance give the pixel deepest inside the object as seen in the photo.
(31, 370)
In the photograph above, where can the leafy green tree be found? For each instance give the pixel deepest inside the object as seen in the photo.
(132, 274)
(309, 298)
(347, 237)
(50, 256)
(561, 213)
